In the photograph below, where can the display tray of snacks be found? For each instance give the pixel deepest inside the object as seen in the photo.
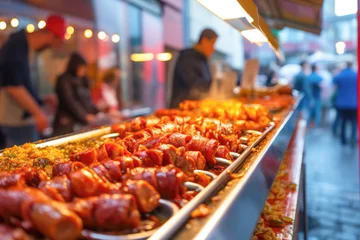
(134, 179)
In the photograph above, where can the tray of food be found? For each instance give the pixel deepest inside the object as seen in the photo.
(125, 181)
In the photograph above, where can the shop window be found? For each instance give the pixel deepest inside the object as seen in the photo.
(135, 37)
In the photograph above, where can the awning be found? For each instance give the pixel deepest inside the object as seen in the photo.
(300, 14)
(76, 8)
(244, 16)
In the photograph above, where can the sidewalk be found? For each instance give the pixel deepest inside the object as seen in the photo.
(333, 201)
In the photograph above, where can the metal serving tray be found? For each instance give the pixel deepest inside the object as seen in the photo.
(236, 214)
(251, 191)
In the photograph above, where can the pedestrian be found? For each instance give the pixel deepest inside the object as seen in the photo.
(75, 104)
(21, 115)
(326, 93)
(192, 77)
(107, 94)
(346, 101)
(301, 85)
(314, 80)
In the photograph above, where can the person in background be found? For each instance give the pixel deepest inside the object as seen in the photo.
(326, 93)
(314, 80)
(107, 94)
(346, 101)
(301, 85)
(192, 77)
(269, 78)
(337, 120)
(21, 115)
(75, 104)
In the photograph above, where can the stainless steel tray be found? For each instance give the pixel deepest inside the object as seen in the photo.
(235, 216)
(250, 192)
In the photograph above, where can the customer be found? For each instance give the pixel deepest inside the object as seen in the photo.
(346, 100)
(301, 85)
(326, 93)
(75, 104)
(21, 116)
(314, 80)
(107, 94)
(192, 77)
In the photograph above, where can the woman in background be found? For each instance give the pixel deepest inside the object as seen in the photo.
(75, 105)
(106, 95)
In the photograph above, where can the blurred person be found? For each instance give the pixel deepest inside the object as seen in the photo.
(326, 93)
(75, 104)
(270, 78)
(107, 94)
(21, 115)
(192, 77)
(335, 126)
(346, 101)
(314, 80)
(301, 85)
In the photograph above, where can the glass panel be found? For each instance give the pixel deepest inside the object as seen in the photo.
(137, 68)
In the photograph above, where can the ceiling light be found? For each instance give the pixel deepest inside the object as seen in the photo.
(142, 57)
(30, 28)
(41, 24)
(340, 47)
(2, 25)
(14, 22)
(70, 30)
(88, 33)
(254, 36)
(115, 38)
(226, 9)
(102, 35)
(163, 57)
(67, 36)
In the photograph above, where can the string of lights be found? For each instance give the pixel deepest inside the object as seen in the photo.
(89, 33)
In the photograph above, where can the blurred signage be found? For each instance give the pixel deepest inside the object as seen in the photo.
(251, 71)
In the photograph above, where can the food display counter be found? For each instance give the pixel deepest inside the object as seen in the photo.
(185, 174)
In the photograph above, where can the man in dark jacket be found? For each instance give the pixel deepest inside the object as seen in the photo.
(192, 77)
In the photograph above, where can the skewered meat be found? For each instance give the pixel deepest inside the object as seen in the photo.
(58, 188)
(146, 196)
(66, 168)
(22, 177)
(95, 185)
(168, 181)
(35, 210)
(107, 212)
(128, 162)
(223, 152)
(65, 188)
(9, 233)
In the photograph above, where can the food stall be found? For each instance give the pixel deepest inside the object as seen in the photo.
(189, 173)
(210, 169)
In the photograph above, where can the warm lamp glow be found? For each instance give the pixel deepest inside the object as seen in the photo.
(163, 57)
(14, 22)
(41, 24)
(30, 28)
(70, 30)
(102, 35)
(2, 25)
(226, 9)
(142, 57)
(340, 47)
(115, 38)
(88, 33)
(254, 36)
(67, 36)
